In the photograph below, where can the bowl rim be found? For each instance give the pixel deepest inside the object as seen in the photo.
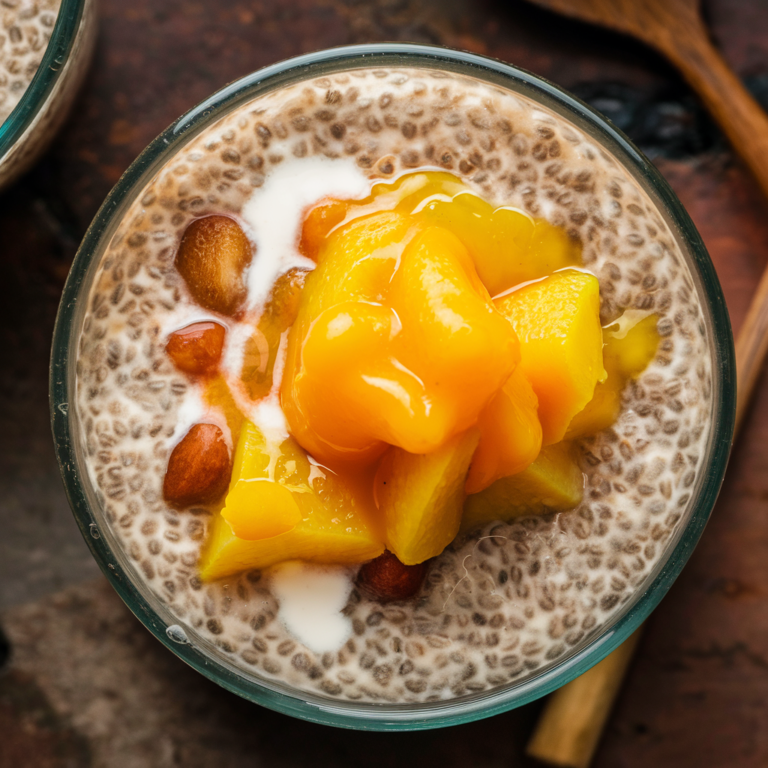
(371, 716)
(47, 75)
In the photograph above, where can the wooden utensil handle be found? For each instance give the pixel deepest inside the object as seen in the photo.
(570, 726)
(751, 348)
(738, 114)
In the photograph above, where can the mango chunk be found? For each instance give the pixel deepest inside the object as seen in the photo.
(362, 259)
(553, 483)
(453, 339)
(557, 320)
(289, 509)
(322, 542)
(396, 343)
(507, 246)
(421, 497)
(510, 434)
(629, 344)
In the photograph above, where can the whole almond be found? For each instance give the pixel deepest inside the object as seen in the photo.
(199, 468)
(387, 579)
(212, 257)
(197, 348)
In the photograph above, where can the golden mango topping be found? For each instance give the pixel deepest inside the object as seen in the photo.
(629, 344)
(406, 386)
(396, 343)
(510, 434)
(282, 507)
(508, 247)
(552, 483)
(561, 343)
(421, 497)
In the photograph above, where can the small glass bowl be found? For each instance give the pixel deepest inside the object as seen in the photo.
(41, 111)
(122, 574)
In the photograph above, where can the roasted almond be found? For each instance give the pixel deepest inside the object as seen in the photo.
(212, 257)
(199, 468)
(196, 349)
(387, 579)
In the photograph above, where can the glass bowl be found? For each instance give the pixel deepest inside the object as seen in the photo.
(197, 651)
(35, 120)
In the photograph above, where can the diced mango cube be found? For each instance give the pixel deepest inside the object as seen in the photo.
(507, 246)
(453, 339)
(510, 434)
(327, 540)
(421, 497)
(629, 345)
(557, 320)
(332, 525)
(553, 482)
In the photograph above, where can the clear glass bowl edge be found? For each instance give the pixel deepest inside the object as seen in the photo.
(372, 716)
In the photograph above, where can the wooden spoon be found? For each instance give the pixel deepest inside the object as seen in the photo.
(570, 727)
(675, 28)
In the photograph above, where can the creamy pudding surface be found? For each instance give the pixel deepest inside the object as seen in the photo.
(501, 602)
(25, 30)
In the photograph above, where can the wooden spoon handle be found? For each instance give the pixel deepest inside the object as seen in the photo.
(569, 730)
(751, 348)
(739, 115)
(570, 726)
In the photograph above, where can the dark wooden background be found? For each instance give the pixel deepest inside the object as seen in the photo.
(83, 683)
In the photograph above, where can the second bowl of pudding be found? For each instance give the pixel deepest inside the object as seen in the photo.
(45, 49)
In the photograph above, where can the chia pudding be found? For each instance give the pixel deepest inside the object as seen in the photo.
(502, 602)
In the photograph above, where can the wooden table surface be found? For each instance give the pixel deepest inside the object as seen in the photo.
(84, 684)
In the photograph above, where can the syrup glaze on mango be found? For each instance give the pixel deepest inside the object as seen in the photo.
(396, 343)
(395, 348)
(422, 351)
